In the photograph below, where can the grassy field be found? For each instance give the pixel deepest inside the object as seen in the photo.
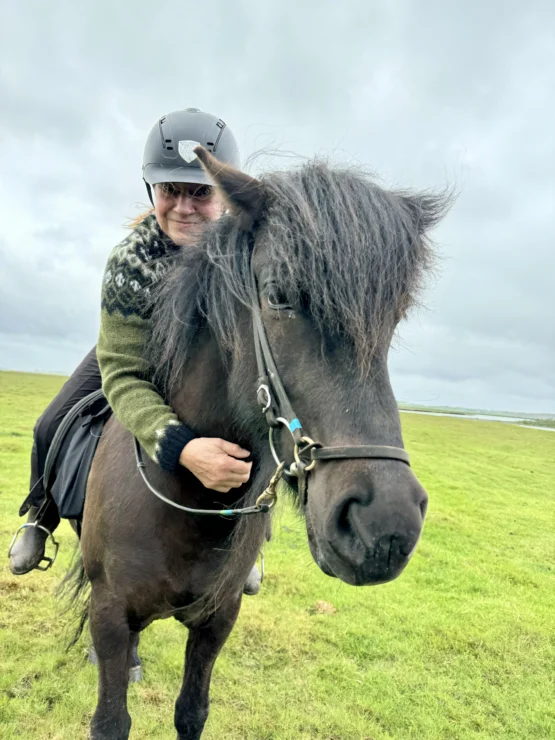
(461, 646)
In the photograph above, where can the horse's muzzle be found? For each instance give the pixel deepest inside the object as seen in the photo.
(368, 535)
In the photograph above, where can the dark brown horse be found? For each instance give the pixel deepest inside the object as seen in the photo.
(327, 262)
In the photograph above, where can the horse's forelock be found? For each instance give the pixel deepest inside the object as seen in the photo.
(359, 251)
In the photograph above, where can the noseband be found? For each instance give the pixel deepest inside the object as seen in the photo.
(277, 409)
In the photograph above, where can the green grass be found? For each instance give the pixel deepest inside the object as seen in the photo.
(461, 646)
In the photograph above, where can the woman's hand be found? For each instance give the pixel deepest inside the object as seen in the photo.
(216, 463)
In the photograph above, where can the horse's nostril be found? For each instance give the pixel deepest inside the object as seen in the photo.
(424, 507)
(343, 519)
(343, 524)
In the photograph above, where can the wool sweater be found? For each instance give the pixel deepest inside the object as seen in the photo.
(133, 268)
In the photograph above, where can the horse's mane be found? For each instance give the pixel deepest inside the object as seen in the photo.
(341, 246)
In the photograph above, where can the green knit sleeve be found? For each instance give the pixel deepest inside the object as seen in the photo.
(135, 401)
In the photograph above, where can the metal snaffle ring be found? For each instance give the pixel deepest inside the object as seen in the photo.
(264, 388)
(309, 445)
(275, 455)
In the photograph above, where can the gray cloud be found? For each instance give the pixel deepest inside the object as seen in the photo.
(425, 94)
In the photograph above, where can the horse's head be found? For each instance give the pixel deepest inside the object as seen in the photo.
(337, 262)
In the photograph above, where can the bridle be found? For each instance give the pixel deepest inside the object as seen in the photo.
(276, 407)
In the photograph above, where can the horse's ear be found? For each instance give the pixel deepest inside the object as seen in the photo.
(427, 209)
(243, 193)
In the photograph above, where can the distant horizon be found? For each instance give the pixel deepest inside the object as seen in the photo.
(413, 404)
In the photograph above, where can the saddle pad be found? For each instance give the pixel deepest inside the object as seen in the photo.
(71, 455)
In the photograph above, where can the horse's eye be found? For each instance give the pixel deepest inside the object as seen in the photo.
(276, 298)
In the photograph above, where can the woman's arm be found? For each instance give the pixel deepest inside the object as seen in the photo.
(134, 400)
(137, 404)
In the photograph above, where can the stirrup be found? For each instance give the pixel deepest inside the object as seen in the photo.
(55, 545)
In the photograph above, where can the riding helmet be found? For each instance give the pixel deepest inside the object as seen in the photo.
(169, 155)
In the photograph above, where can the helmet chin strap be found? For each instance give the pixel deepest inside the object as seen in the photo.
(149, 191)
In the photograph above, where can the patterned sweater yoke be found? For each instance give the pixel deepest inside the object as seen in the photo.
(133, 268)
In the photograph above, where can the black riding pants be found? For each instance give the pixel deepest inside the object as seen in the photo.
(84, 380)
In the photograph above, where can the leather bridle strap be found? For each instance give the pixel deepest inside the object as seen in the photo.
(269, 379)
(379, 452)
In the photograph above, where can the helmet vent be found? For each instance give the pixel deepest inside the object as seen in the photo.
(166, 136)
(221, 125)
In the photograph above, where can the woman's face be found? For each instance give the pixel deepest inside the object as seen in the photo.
(184, 209)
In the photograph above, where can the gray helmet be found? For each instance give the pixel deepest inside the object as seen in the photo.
(169, 155)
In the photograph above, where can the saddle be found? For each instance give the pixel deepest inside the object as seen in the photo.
(71, 453)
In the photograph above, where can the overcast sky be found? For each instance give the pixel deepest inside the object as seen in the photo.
(424, 93)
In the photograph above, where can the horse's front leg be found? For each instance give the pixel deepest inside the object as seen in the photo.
(203, 646)
(113, 643)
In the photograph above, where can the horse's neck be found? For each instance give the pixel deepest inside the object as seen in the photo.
(203, 402)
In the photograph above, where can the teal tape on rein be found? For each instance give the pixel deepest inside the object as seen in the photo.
(294, 425)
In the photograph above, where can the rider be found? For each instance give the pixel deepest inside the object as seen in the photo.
(184, 202)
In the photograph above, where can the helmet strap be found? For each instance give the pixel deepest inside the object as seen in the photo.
(149, 191)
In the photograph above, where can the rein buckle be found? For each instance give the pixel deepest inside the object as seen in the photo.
(268, 498)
